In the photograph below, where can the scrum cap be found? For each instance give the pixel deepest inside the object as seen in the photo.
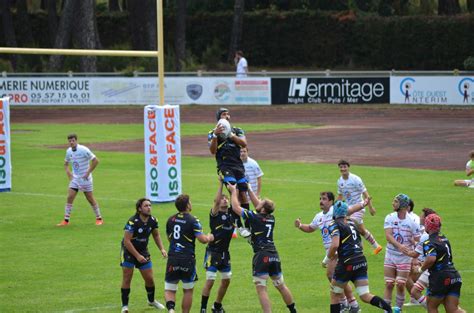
(403, 200)
(340, 209)
(219, 112)
(432, 223)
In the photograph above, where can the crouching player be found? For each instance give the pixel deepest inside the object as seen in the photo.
(351, 262)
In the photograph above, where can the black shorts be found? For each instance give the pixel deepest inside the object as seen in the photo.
(181, 269)
(350, 272)
(234, 174)
(444, 283)
(217, 261)
(266, 263)
(129, 261)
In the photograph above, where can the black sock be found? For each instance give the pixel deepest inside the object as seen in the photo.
(150, 293)
(170, 305)
(204, 300)
(66, 220)
(125, 292)
(380, 303)
(217, 306)
(336, 308)
(291, 307)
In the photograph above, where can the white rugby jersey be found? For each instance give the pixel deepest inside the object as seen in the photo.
(404, 231)
(252, 172)
(79, 160)
(321, 221)
(419, 246)
(469, 166)
(351, 189)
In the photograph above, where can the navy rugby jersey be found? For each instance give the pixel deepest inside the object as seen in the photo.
(140, 232)
(350, 248)
(222, 227)
(438, 245)
(228, 152)
(261, 227)
(182, 229)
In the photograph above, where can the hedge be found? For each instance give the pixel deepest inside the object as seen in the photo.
(313, 39)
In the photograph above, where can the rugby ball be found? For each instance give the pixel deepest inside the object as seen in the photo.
(227, 128)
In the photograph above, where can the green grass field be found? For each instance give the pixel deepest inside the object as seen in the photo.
(76, 269)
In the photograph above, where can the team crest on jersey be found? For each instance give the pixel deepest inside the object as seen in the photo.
(398, 238)
(224, 217)
(140, 230)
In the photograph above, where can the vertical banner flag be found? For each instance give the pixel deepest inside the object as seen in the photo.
(162, 152)
(5, 160)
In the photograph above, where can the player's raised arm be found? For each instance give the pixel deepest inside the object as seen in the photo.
(217, 199)
(234, 196)
(240, 140)
(303, 227)
(253, 197)
(357, 207)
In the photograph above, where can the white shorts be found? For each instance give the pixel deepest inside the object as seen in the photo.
(401, 263)
(82, 184)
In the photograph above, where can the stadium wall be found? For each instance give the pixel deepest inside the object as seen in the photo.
(444, 90)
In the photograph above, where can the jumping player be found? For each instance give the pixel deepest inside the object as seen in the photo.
(402, 234)
(182, 230)
(322, 221)
(217, 257)
(83, 163)
(351, 188)
(469, 172)
(351, 262)
(135, 252)
(229, 164)
(266, 261)
(445, 282)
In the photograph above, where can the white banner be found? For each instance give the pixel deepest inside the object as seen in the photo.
(446, 90)
(5, 152)
(135, 90)
(162, 153)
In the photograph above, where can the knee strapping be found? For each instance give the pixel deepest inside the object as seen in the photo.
(258, 281)
(337, 289)
(278, 282)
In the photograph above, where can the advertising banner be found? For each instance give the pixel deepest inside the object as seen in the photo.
(5, 152)
(330, 90)
(447, 90)
(135, 90)
(162, 152)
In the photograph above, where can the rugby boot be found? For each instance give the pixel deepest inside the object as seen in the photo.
(63, 223)
(377, 250)
(156, 304)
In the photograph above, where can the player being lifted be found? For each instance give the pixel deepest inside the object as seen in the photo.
(266, 261)
(229, 164)
(217, 258)
(182, 230)
(351, 262)
(322, 221)
(135, 252)
(83, 163)
(351, 188)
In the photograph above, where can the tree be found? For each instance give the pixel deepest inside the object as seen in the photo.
(237, 25)
(52, 20)
(142, 20)
(82, 28)
(114, 6)
(448, 7)
(8, 29)
(24, 25)
(180, 35)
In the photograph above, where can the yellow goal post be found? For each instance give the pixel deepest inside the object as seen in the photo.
(112, 53)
